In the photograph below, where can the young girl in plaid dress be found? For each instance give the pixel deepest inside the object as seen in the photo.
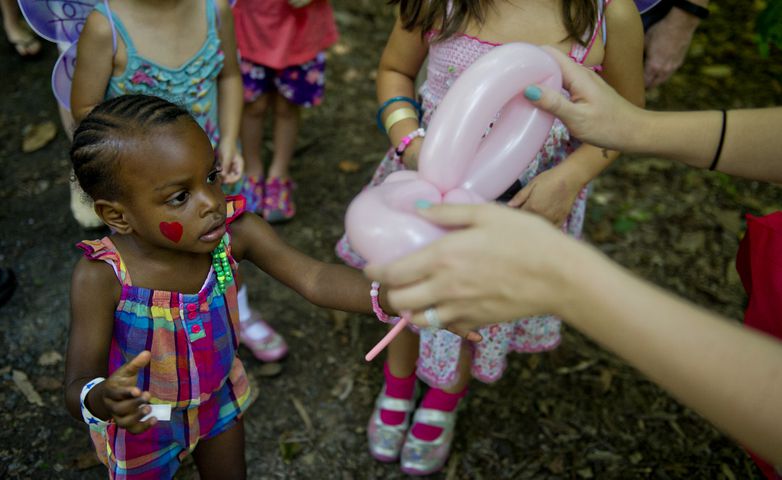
(152, 362)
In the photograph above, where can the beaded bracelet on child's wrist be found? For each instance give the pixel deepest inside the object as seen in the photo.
(407, 140)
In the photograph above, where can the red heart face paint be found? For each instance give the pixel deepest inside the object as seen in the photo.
(172, 231)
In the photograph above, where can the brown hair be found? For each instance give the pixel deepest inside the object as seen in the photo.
(580, 15)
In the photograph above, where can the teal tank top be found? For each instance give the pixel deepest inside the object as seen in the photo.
(193, 85)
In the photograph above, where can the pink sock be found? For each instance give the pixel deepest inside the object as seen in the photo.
(436, 399)
(397, 388)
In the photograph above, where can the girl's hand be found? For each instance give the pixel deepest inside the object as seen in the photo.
(126, 403)
(551, 194)
(299, 3)
(231, 162)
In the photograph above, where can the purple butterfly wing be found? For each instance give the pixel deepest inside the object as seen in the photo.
(62, 76)
(57, 20)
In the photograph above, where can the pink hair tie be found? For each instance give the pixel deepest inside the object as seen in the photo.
(407, 139)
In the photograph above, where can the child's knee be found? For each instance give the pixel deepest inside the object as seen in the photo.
(283, 108)
(257, 107)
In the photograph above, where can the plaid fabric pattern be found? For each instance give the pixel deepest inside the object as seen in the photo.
(194, 368)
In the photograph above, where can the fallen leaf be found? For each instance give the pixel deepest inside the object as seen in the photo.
(47, 383)
(348, 166)
(35, 137)
(729, 220)
(269, 369)
(341, 49)
(85, 460)
(305, 417)
(691, 242)
(49, 358)
(351, 75)
(557, 466)
(290, 447)
(343, 387)
(606, 378)
(585, 473)
(23, 384)
(717, 71)
(727, 472)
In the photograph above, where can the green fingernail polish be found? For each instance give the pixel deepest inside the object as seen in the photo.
(422, 204)
(532, 93)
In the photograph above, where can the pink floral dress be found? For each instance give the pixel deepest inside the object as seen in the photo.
(439, 349)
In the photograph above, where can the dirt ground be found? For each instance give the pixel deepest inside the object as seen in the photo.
(577, 412)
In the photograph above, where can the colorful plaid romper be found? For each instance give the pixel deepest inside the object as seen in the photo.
(194, 367)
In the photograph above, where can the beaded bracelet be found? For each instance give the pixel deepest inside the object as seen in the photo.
(407, 139)
(88, 417)
(374, 293)
(398, 115)
(391, 100)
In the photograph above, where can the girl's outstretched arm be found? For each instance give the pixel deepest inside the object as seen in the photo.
(94, 66)
(323, 284)
(94, 297)
(402, 58)
(229, 98)
(553, 192)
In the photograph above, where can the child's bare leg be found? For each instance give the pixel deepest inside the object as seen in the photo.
(286, 129)
(251, 134)
(445, 399)
(465, 363)
(222, 456)
(403, 354)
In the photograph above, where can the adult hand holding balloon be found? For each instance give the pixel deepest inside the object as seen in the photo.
(459, 162)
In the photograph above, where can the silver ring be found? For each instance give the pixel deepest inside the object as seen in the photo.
(432, 318)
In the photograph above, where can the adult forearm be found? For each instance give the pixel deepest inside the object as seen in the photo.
(752, 145)
(730, 375)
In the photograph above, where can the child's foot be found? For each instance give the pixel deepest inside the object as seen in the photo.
(266, 344)
(428, 442)
(278, 203)
(391, 417)
(23, 40)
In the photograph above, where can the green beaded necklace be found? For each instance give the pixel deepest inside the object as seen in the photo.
(222, 267)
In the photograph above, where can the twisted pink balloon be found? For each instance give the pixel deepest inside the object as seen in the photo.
(458, 163)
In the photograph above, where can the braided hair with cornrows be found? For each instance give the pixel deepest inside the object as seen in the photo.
(98, 140)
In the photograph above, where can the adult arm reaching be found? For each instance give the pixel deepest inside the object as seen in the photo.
(474, 277)
(598, 115)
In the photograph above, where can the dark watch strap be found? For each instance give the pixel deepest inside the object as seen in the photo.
(691, 8)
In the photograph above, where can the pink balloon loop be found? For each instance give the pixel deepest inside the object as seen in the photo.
(459, 161)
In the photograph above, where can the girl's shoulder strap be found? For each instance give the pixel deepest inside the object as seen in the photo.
(104, 250)
(114, 23)
(579, 52)
(212, 15)
(235, 206)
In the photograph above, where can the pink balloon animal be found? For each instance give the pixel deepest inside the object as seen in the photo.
(459, 162)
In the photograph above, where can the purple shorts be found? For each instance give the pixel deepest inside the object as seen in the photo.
(299, 84)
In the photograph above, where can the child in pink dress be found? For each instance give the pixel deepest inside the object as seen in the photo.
(555, 185)
(281, 44)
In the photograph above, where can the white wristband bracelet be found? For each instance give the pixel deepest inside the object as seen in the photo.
(88, 417)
